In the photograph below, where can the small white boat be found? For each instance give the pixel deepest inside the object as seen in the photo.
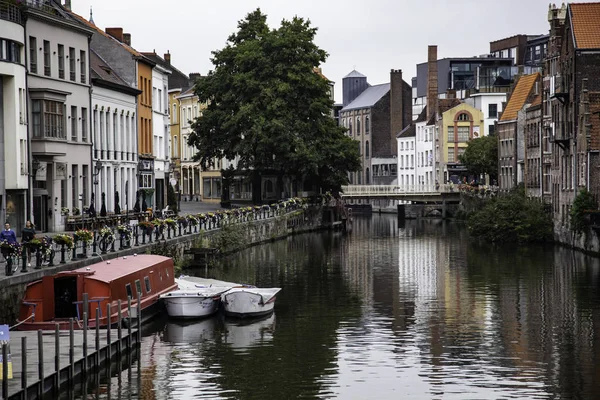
(192, 303)
(249, 302)
(191, 282)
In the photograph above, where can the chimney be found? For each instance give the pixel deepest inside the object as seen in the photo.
(432, 81)
(396, 107)
(194, 76)
(68, 4)
(168, 57)
(127, 39)
(117, 33)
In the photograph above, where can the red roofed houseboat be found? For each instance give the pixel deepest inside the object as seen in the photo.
(58, 298)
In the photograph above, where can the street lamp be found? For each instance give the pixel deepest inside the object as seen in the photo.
(175, 180)
(97, 169)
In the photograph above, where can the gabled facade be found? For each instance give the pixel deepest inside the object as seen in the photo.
(511, 132)
(59, 112)
(406, 156)
(15, 166)
(114, 127)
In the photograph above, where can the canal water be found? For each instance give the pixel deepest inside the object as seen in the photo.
(393, 310)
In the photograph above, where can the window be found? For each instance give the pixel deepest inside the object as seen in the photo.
(72, 71)
(32, 55)
(463, 133)
(492, 110)
(350, 127)
(358, 125)
(367, 152)
(147, 282)
(47, 119)
(450, 134)
(84, 130)
(47, 69)
(491, 129)
(74, 123)
(451, 158)
(82, 64)
(129, 292)
(138, 287)
(61, 61)
(174, 115)
(367, 126)
(463, 117)
(175, 147)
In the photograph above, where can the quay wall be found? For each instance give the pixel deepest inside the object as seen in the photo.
(246, 234)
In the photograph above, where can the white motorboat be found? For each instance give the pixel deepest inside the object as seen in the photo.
(193, 302)
(249, 302)
(191, 282)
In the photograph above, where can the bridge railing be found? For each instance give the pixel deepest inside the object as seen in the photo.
(383, 190)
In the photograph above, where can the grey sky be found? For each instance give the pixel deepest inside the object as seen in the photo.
(372, 37)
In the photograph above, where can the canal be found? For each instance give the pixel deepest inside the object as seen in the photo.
(391, 311)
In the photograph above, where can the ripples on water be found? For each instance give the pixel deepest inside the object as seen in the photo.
(391, 311)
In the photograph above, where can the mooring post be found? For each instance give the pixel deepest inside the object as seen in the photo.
(5, 371)
(41, 363)
(24, 362)
(71, 351)
(56, 358)
(97, 340)
(129, 322)
(119, 328)
(108, 336)
(84, 367)
(139, 318)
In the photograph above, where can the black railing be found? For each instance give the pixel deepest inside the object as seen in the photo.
(11, 12)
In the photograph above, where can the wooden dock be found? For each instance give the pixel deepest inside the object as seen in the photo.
(43, 362)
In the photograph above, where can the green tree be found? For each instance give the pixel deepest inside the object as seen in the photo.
(584, 202)
(267, 108)
(481, 157)
(172, 198)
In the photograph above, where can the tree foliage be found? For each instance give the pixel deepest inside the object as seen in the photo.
(584, 202)
(269, 110)
(512, 218)
(481, 157)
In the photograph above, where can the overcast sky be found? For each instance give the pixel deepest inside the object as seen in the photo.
(371, 36)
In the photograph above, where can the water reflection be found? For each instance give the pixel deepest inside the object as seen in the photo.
(393, 310)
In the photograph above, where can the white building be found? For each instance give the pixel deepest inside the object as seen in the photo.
(424, 152)
(114, 121)
(59, 115)
(14, 160)
(406, 156)
(161, 133)
(491, 106)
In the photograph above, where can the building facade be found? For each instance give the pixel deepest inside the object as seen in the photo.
(59, 113)
(15, 204)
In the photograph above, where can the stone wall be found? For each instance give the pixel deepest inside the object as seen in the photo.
(251, 233)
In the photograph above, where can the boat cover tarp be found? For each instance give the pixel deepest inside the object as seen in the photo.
(265, 293)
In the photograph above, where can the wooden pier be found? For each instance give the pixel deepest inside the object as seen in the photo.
(44, 362)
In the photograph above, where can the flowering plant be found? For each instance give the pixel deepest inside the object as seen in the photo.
(106, 232)
(64, 211)
(146, 225)
(158, 222)
(75, 211)
(124, 231)
(84, 235)
(11, 249)
(193, 221)
(64, 239)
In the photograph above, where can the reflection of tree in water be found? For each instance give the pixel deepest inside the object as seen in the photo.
(313, 303)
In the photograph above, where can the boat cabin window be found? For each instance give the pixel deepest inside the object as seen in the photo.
(159, 275)
(167, 272)
(138, 286)
(129, 292)
(147, 282)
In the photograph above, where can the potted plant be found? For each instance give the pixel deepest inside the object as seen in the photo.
(106, 233)
(124, 231)
(64, 239)
(84, 236)
(10, 249)
(147, 226)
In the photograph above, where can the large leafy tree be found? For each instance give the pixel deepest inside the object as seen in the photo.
(481, 157)
(269, 110)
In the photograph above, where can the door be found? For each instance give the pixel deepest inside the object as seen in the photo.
(65, 293)
(40, 213)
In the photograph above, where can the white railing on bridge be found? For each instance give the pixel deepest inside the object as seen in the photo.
(391, 190)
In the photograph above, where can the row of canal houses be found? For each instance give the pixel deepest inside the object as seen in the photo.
(538, 94)
(86, 120)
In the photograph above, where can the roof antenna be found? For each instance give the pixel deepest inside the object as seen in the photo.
(92, 16)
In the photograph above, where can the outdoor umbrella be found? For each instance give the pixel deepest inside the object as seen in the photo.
(136, 207)
(117, 206)
(103, 208)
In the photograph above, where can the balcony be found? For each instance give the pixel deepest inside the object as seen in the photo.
(557, 89)
(11, 11)
(562, 133)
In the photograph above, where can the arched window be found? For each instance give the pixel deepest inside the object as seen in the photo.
(358, 125)
(175, 147)
(463, 117)
(367, 176)
(350, 127)
(359, 178)
(367, 149)
(174, 115)
(367, 125)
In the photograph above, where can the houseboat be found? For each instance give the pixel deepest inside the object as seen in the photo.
(58, 298)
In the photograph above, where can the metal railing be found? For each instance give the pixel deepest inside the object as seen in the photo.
(11, 12)
(391, 190)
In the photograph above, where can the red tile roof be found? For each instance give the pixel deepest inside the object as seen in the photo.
(519, 96)
(585, 20)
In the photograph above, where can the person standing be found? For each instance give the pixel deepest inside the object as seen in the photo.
(27, 235)
(8, 234)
